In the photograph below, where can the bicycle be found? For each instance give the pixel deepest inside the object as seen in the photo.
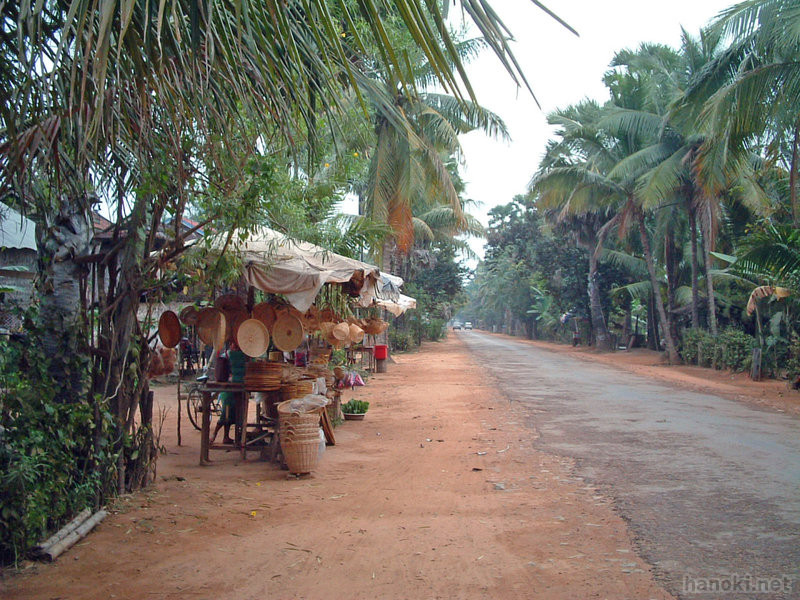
(194, 403)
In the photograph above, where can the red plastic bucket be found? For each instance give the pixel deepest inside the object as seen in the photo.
(381, 351)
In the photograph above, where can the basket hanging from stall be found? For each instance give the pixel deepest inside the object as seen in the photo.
(189, 316)
(356, 333)
(169, 329)
(265, 312)
(252, 337)
(229, 302)
(233, 320)
(334, 341)
(287, 333)
(211, 327)
(375, 326)
(341, 331)
(310, 320)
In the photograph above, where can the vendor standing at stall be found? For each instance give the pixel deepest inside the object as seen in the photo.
(230, 400)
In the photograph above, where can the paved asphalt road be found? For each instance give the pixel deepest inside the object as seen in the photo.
(710, 486)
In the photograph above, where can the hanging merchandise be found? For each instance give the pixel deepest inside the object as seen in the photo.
(253, 338)
(189, 316)
(265, 312)
(211, 327)
(229, 302)
(169, 329)
(287, 333)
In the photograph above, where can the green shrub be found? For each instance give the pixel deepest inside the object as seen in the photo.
(707, 350)
(697, 347)
(732, 349)
(793, 361)
(50, 468)
(688, 346)
(735, 349)
(400, 341)
(435, 330)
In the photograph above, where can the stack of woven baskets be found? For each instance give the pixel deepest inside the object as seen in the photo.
(296, 389)
(262, 376)
(299, 435)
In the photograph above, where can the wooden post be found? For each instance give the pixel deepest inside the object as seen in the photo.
(242, 414)
(180, 379)
(206, 428)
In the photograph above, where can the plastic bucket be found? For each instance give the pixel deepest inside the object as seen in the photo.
(381, 351)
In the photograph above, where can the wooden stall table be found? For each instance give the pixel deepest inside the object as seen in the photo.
(205, 430)
(263, 423)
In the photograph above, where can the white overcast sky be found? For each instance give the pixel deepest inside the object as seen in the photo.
(562, 69)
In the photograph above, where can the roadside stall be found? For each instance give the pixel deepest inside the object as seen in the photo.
(286, 277)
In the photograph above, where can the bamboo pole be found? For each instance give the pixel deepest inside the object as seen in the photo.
(52, 552)
(64, 531)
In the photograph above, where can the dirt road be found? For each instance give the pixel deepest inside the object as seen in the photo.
(439, 493)
(710, 486)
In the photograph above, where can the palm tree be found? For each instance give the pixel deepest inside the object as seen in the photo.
(410, 164)
(673, 173)
(569, 180)
(750, 90)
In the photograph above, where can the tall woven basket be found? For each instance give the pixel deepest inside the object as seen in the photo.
(299, 435)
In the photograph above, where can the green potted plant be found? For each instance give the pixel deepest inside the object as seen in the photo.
(355, 410)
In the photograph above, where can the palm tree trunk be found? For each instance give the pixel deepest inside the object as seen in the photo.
(695, 274)
(653, 341)
(627, 327)
(793, 179)
(602, 339)
(672, 352)
(670, 264)
(705, 229)
(60, 313)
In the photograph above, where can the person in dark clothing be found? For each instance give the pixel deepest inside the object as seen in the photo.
(237, 360)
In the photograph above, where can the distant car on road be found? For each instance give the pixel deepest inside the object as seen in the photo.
(458, 325)
(467, 325)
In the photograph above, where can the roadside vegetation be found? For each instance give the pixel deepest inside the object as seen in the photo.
(667, 216)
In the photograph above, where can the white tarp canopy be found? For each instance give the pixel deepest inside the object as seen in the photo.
(277, 264)
(398, 307)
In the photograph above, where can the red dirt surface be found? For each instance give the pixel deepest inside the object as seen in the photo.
(439, 493)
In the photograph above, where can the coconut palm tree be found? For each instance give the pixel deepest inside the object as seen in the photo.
(749, 92)
(409, 164)
(569, 182)
(673, 173)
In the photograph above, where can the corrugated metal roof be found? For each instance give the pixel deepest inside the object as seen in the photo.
(15, 230)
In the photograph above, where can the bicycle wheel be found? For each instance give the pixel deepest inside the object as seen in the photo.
(194, 407)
